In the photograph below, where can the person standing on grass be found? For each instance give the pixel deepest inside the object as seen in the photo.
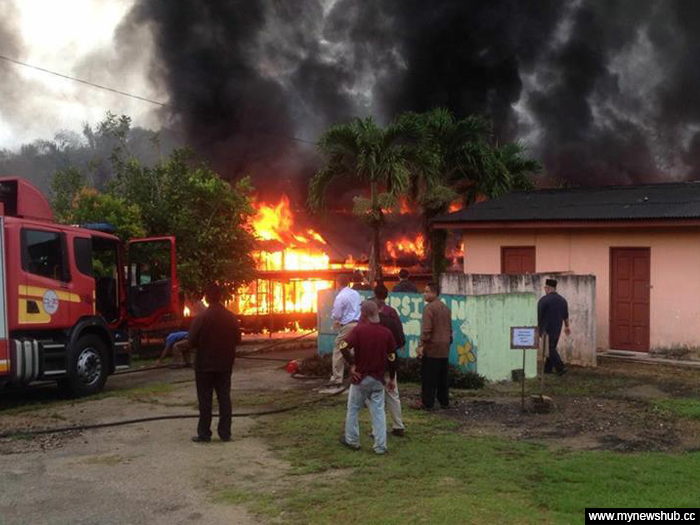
(552, 312)
(389, 318)
(404, 285)
(434, 349)
(374, 351)
(215, 334)
(345, 314)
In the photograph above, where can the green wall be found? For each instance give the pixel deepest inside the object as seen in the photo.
(481, 329)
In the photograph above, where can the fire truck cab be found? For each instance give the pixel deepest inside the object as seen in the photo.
(70, 295)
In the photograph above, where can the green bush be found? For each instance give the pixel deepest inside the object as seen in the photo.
(409, 372)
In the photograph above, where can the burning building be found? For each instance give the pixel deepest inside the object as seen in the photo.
(295, 261)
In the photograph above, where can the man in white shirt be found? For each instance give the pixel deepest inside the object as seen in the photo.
(345, 314)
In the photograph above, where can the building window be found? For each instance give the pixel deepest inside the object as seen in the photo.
(43, 253)
(517, 259)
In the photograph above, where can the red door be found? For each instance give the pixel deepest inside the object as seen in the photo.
(630, 283)
(517, 259)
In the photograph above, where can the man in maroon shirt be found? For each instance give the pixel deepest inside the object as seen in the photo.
(375, 351)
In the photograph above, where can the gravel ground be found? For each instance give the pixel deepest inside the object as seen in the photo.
(145, 473)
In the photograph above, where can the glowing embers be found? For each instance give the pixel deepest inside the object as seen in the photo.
(405, 247)
(284, 247)
(264, 297)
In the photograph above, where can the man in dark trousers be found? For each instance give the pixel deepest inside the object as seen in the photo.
(434, 349)
(404, 285)
(389, 318)
(215, 334)
(552, 312)
(375, 352)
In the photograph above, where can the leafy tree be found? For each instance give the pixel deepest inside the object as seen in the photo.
(454, 158)
(375, 158)
(88, 151)
(65, 186)
(208, 216)
(90, 206)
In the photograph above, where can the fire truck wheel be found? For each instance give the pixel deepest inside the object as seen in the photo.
(87, 371)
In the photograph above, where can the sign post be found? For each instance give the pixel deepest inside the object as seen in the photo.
(523, 338)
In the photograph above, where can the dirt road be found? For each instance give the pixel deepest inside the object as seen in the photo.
(145, 473)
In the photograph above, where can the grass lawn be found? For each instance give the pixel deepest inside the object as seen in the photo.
(436, 474)
(688, 408)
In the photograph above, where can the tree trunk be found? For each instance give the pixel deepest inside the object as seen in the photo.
(438, 262)
(375, 270)
(435, 244)
(375, 267)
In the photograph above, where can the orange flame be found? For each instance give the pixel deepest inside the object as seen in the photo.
(406, 247)
(301, 249)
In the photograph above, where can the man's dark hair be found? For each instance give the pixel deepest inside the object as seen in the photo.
(433, 287)
(213, 293)
(357, 276)
(343, 279)
(381, 292)
(403, 273)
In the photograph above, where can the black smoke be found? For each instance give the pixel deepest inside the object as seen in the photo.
(601, 92)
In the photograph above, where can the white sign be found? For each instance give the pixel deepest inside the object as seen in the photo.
(50, 301)
(523, 337)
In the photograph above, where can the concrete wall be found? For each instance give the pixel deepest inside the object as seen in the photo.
(578, 290)
(675, 272)
(480, 325)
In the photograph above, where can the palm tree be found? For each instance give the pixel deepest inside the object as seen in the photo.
(453, 158)
(374, 157)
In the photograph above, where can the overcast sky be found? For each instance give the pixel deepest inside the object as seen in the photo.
(70, 37)
(600, 92)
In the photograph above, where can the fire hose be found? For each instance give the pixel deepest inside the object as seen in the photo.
(93, 426)
(264, 348)
(74, 428)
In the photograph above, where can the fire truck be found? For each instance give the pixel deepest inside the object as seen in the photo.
(69, 296)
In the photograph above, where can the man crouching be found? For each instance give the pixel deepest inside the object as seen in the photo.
(375, 351)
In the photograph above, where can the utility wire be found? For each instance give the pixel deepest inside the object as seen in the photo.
(86, 82)
(131, 95)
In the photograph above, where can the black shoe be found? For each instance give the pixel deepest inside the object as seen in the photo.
(348, 445)
(200, 439)
(399, 432)
(562, 372)
(225, 439)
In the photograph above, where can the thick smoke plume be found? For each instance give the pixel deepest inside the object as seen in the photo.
(601, 92)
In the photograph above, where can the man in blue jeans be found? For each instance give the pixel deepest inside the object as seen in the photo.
(375, 351)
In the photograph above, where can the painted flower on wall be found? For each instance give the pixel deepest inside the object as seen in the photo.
(465, 354)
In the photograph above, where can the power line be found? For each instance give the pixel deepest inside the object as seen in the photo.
(131, 95)
(86, 82)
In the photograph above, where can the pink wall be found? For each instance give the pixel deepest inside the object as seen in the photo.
(675, 271)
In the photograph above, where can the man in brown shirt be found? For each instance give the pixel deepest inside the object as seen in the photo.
(434, 348)
(215, 334)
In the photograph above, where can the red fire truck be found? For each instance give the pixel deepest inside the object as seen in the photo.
(69, 296)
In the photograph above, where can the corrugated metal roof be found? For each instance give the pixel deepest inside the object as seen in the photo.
(648, 201)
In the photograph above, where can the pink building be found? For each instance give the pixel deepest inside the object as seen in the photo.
(641, 242)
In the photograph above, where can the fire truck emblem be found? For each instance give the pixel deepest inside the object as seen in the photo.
(50, 302)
